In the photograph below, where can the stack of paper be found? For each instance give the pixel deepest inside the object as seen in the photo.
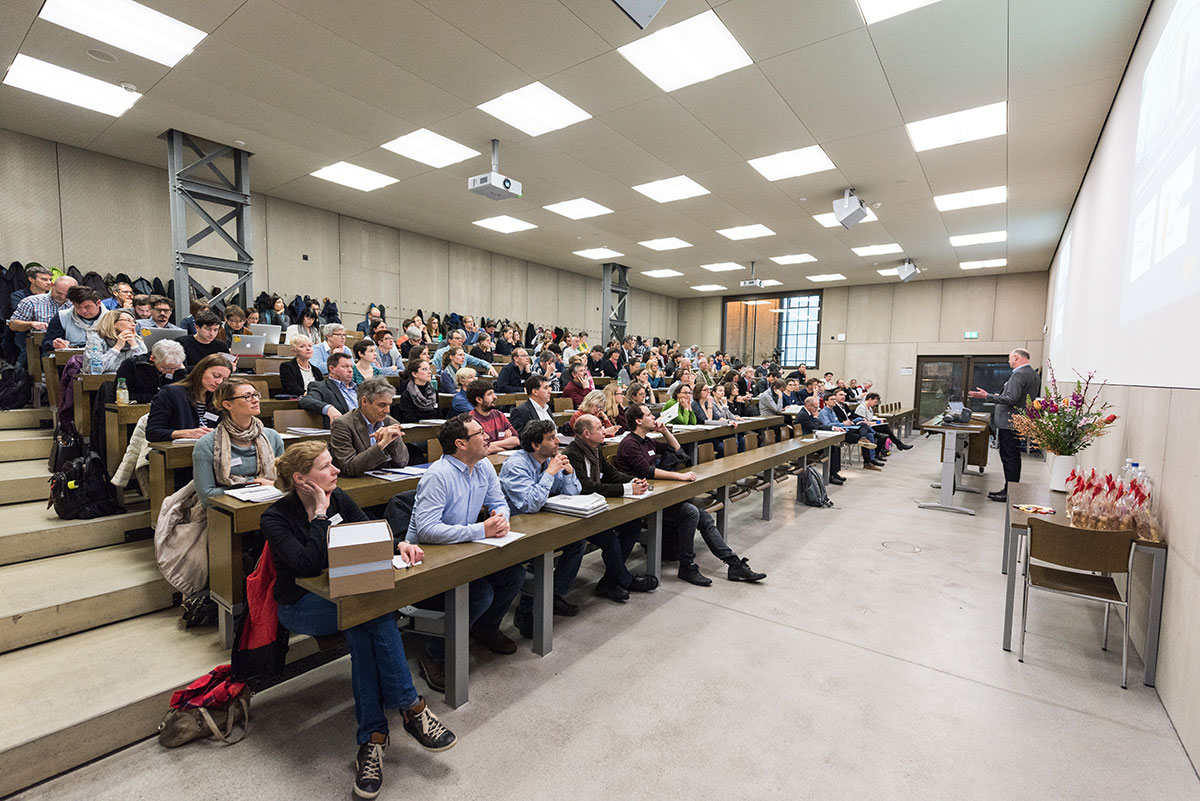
(577, 505)
(500, 542)
(301, 430)
(255, 493)
(678, 427)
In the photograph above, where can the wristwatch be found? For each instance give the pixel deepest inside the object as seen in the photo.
(321, 516)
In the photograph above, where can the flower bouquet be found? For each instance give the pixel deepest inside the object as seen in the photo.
(1064, 425)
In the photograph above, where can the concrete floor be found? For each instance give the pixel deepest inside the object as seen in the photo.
(868, 665)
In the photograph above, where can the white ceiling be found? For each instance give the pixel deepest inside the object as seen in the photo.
(306, 83)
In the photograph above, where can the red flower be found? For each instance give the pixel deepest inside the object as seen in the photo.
(1111, 418)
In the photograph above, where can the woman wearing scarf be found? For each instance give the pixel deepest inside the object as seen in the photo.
(119, 341)
(418, 398)
(240, 450)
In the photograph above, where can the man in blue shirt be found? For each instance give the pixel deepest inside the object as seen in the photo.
(836, 418)
(528, 478)
(446, 510)
(458, 337)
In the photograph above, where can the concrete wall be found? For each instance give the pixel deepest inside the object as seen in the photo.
(62, 206)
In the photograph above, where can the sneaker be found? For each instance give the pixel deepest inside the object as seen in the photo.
(426, 729)
(739, 570)
(496, 641)
(692, 575)
(643, 584)
(433, 672)
(866, 444)
(368, 766)
(607, 588)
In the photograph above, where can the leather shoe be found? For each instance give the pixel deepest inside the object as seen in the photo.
(692, 575)
(495, 641)
(643, 584)
(433, 672)
(524, 623)
(903, 447)
(837, 481)
(1001, 496)
(607, 588)
(872, 466)
(564, 608)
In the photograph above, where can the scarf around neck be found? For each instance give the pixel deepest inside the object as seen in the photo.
(252, 436)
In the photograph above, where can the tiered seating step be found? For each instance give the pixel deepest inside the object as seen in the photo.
(26, 418)
(25, 480)
(31, 531)
(18, 444)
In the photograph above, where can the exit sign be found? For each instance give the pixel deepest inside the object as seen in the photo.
(970, 335)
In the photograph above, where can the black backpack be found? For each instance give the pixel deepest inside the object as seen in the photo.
(16, 388)
(812, 489)
(81, 490)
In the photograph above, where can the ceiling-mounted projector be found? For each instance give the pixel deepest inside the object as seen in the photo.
(492, 184)
(754, 282)
(907, 271)
(849, 210)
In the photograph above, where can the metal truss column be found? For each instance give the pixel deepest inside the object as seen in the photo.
(219, 175)
(614, 307)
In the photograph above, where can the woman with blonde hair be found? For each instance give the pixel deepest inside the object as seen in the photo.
(614, 400)
(240, 450)
(297, 530)
(119, 341)
(593, 404)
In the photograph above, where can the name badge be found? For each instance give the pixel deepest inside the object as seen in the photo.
(333, 521)
(234, 461)
(211, 417)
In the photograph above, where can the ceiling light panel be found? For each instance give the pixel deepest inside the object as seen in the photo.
(67, 86)
(666, 243)
(986, 238)
(708, 287)
(878, 10)
(754, 231)
(505, 224)
(535, 109)
(130, 26)
(722, 267)
(983, 264)
(430, 148)
(969, 200)
(878, 250)
(826, 277)
(687, 52)
(661, 273)
(830, 220)
(578, 209)
(670, 189)
(959, 127)
(795, 258)
(792, 163)
(890, 271)
(354, 177)
(598, 253)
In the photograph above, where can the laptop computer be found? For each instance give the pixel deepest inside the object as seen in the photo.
(271, 332)
(246, 345)
(152, 336)
(956, 408)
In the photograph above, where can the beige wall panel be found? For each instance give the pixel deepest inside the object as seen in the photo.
(115, 214)
(542, 290)
(968, 304)
(867, 362)
(572, 300)
(699, 321)
(30, 226)
(969, 347)
(916, 311)
(508, 300)
(833, 359)
(371, 247)
(472, 286)
(834, 315)
(294, 231)
(362, 287)
(424, 277)
(901, 388)
(1020, 306)
(637, 314)
(591, 316)
(869, 314)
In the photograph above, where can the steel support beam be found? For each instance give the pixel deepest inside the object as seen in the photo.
(614, 306)
(199, 172)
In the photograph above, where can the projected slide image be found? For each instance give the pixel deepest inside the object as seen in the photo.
(1174, 207)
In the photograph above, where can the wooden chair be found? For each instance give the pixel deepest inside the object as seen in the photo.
(260, 384)
(300, 418)
(435, 449)
(1097, 552)
(52, 380)
(267, 366)
(563, 404)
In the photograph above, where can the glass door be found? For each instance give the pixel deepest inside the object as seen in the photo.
(940, 380)
(990, 373)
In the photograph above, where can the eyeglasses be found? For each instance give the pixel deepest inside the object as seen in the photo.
(249, 396)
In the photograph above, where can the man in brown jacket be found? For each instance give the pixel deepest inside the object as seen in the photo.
(368, 438)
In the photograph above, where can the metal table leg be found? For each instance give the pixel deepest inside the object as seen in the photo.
(825, 464)
(1154, 618)
(1010, 589)
(543, 604)
(654, 546)
(1007, 535)
(457, 622)
(770, 476)
(723, 512)
(950, 456)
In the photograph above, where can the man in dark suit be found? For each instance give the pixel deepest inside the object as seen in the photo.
(538, 405)
(1023, 384)
(335, 395)
(810, 424)
(513, 375)
(371, 439)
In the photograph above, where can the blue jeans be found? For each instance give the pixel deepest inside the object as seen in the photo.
(564, 575)
(378, 668)
(489, 599)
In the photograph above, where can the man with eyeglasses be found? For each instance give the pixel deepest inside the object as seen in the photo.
(445, 510)
(160, 315)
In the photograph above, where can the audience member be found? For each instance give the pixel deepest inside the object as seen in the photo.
(185, 409)
(306, 326)
(145, 375)
(122, 297)
(457, 339)
(596, 361)
(614, 402)
(499, 432)
(366, 354)
(459, 404)
(298, 372)
(483, 348)
(453, 358)
(593, 404)
(367, 327)
(239, 450)
(513, 375)
(252, 318)
(682, 398)
(336, 394)
(810, 423)
(119, 341)
(70, 327)
(333, 340)
(160, 314)
(195, 306)
(866, 412)
(235, 323)
(579, 385)
(141, 307)
(412, 338)
(32, 308)
(418, 395)
(371, 439)
(836, 417)
(277, 314)
(206, 341)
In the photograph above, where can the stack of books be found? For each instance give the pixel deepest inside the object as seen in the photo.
(577, 505)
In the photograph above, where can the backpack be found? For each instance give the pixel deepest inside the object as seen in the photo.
(812, 489)
(16, 388)
(66, 447)
(191, 714)
(81, 490)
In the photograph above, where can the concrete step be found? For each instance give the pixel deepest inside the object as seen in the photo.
(27, 418)
(61, 595)
(31, 531)
(18, 444)
(80, 697)
(25, 480)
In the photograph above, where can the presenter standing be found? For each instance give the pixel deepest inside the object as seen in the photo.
(1022, 384)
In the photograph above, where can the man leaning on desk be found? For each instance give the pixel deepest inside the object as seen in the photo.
(371, 439)
(1023, 384)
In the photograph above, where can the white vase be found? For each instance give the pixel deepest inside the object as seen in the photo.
(1060, 468)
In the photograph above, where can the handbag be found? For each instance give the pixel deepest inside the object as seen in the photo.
(196, 708)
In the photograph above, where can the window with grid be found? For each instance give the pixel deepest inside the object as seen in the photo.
(799, 319)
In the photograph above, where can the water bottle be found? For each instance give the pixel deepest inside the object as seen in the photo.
(1127, 471)
(95, 361)
(1143, 480)
(122, 393)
